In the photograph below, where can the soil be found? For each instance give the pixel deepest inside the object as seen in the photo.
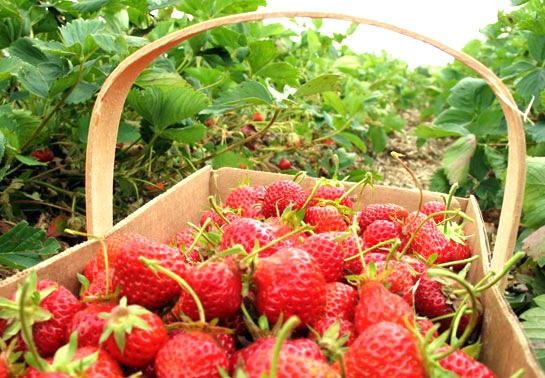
(424, 160)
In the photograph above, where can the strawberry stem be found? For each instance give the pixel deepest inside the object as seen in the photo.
(458, 262)
(481, 286)
(288, 235)
(214, 205)
(196, 238)
(376, 246)
(367, 180)
(450, 196)
(26, 328)
(430, 217)
(283, 335)
(315, 188)
(155, 266)
(473, 317)
(397, 156)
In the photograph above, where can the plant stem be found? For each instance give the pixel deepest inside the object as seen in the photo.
(283, 335)
(27, 329)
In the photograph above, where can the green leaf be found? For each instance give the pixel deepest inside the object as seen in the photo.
(536, 132)
(9, 66)
(323, 83)
(186, 135)
(230, 159)
(442, 131)
(471, 94)
(25, 50)
(127, 133)
(393, 122)
(439, 182)
(533, 324)
(88, 6)
(82, 92)
(457, 158)
(488, 122)
(33, 81)
(207, 76)
(79, 30)
(333, 99)
(2, 145)
(261, 53)
(534, 244)
(159, 4)
(281, 73)
(159, 77)
(245, 94)
(29, 160)
(378, 138)
(164, 107)
(532, 84)
(536, 47)
(23, 246)
(534, 201)
(354, 139)
(453, 116)
(497, 160)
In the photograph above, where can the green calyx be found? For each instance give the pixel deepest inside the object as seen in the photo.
(121, 321)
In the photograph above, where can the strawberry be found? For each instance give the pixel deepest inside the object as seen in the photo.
(431, 301)
(382, 211)
(377, 304)
(137, 282)
(290, 365)
(290, 283)
(454, 251)
(341, 301)
(330, 193)
(218, 285)
(96, 291)
(89, 325)
(398, 276)
(431, 207)
(429, 239)
(379, 231)
(249, 233)
(349, 244)
(133, 335)
(325, 218)
(216, 219)
(183, 241)
(284, 164)
(465, 366)
(248, 199)
(43, 155)
(258, 117)
(281, 194)
(327, 253)
(346, 328)
(302, 347)
(50, 307)
(191, 355)
(384, 349)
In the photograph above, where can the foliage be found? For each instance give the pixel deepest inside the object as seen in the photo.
(191, 107)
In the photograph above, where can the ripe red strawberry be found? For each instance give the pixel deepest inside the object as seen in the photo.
(137, 282)
(43, 297)
(325, 218)
(330, 193)
(248, 199)
(383, 211)
(397, 276)
(216, 219)
(43, 155)
(91, 269)
(384, 349)
(228, 343)
(431, 207)
(89, 325)
(249, 233)
(346, 327)
(429, 239)
(290, 365)
(191, 355)
(379, 231)
(284, 164)
(281, 194)
(341, 301)
(327, 253)
(349, 244)
(183, 240)
(454, 251)
(133, 335)
(465, 366)
(75, 366)
(96, 292)
(218, 285)
(431, 301)
(290, 283)
(258, 117)
(377, 304)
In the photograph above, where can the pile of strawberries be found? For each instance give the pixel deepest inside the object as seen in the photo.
(278, 282)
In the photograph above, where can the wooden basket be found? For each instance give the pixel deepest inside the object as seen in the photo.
(504, 347)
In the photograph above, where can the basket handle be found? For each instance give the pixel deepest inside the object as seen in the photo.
(110, 101)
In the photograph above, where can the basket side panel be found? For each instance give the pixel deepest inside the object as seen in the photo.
(505, 348)
(159, 220)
